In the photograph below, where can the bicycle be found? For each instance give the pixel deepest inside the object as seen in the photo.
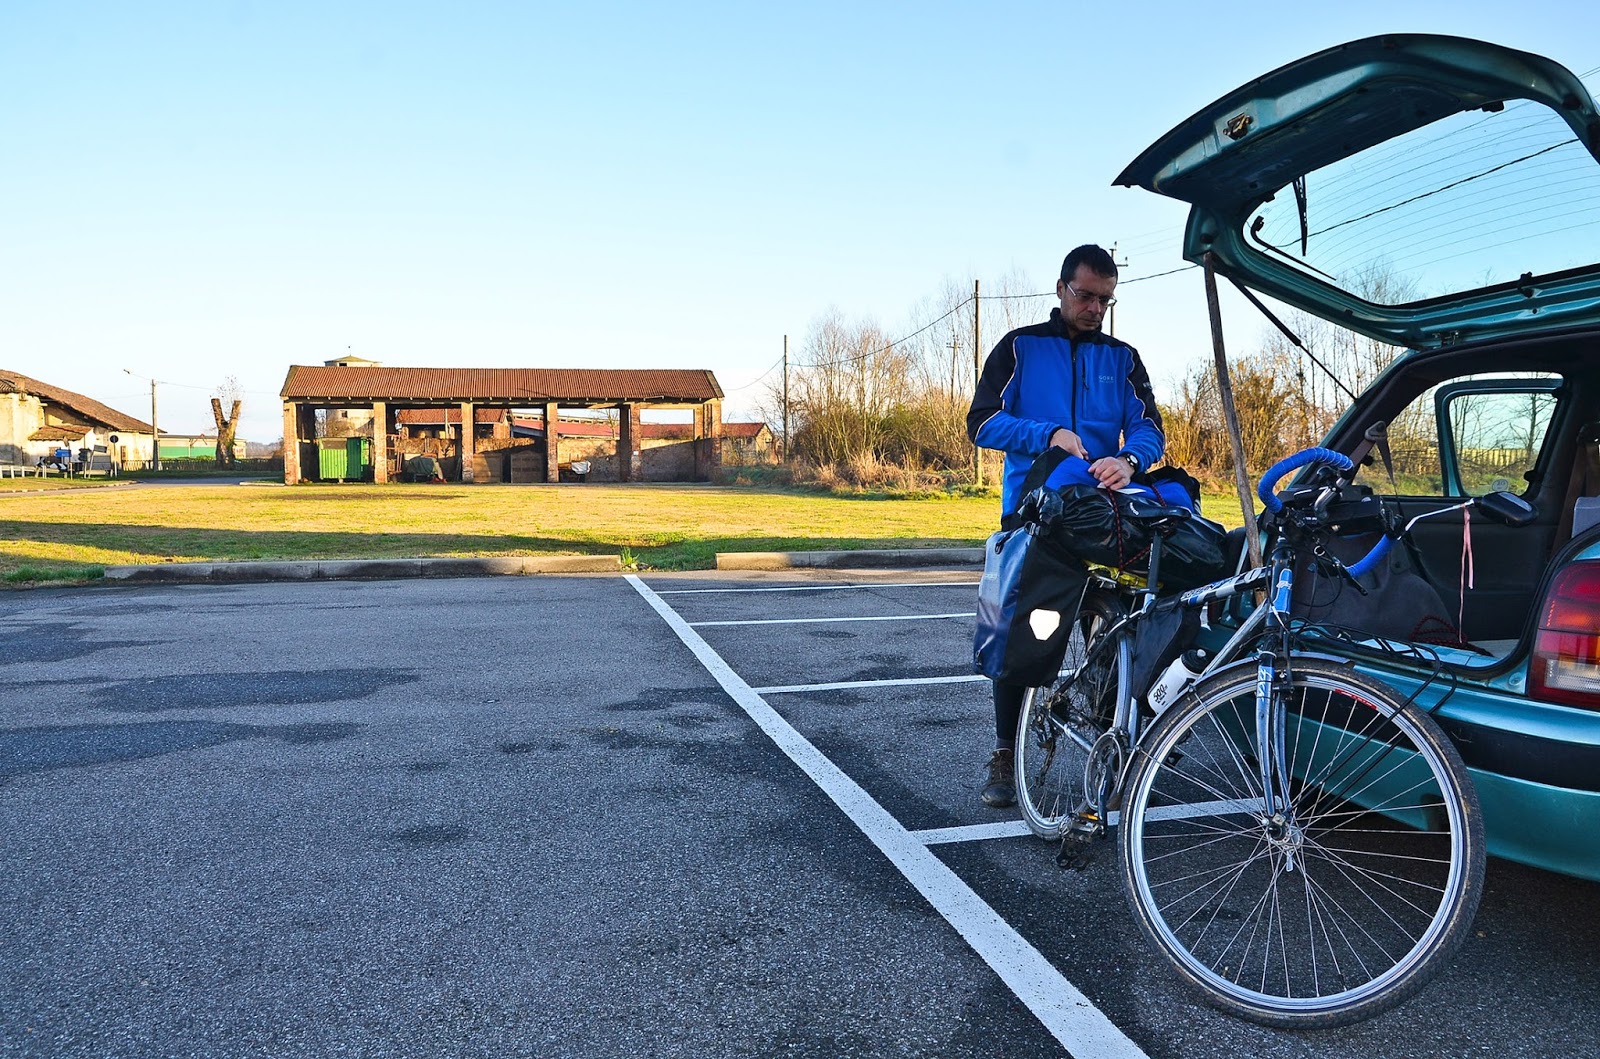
(1312, 885)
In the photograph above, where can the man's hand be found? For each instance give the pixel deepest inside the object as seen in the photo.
(1112, 472)
(1066, 439)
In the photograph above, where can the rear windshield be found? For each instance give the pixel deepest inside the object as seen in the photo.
(1471, 201)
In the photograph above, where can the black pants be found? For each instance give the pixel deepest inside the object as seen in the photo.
(1007, 709)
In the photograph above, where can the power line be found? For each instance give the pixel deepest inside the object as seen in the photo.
(1158, 275)
(901, 341)
(962, 305)
(758, 378)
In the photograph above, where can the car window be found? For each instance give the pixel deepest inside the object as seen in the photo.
(1468, 436)
(1471, 200)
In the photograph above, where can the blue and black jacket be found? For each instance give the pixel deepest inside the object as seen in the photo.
(1038, 378)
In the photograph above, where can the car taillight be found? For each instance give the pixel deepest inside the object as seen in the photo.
(1565, 666)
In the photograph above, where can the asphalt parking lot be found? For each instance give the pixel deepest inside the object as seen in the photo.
(600, 816)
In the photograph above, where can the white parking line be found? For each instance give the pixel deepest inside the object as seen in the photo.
(841, 685)
(815, 588)
(1066, 1013)
(972, 832)
(815, 621)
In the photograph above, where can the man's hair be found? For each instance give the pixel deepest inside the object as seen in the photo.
(1098, 260)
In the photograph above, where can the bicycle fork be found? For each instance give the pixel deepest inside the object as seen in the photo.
(1282, 831)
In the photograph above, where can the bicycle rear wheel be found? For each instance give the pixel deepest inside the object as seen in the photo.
(1346, 905)
(1060, 723)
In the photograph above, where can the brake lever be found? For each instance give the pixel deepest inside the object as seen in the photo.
(1332, 564)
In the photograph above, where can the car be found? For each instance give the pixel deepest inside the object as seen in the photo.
(1440, 198)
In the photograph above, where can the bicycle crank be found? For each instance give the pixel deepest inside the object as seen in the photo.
(1103, 773)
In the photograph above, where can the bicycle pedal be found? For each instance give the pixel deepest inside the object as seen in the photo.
(1075, 853)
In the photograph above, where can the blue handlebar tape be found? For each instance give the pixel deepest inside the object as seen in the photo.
(1374, 557)
(1337, 460)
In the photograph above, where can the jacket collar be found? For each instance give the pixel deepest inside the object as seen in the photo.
(1058, 326)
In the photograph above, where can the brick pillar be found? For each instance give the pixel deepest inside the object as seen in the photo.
(628, 457)
(708, 441)
(291, 443)
(380, 442)
(469, 440)
(552, 454)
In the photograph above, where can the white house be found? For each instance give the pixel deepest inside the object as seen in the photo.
(37, 418)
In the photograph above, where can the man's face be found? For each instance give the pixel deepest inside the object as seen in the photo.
(1083, 303)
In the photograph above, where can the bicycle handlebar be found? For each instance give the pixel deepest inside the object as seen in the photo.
(1339, 462)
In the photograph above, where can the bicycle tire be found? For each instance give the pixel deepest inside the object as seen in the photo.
(1384, 829)
(1059, 723)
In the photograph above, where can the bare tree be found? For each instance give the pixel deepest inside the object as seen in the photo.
(233, 393)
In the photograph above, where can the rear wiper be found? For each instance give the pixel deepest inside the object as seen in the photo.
(1300, 204)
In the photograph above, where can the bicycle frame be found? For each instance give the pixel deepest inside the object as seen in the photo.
(1272, 661)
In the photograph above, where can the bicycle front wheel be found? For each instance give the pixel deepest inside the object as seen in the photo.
(1060, 723)
(1345, 902)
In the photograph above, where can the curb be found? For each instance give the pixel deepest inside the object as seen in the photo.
(520, 565)
(365, 569)
(886, 558)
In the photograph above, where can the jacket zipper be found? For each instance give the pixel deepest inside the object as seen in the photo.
(1072, 344)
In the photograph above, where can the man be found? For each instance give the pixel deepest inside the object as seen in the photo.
(1068, 384)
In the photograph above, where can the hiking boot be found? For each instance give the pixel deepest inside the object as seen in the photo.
(1000, 788)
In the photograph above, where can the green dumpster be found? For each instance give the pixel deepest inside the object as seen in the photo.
(343, 459)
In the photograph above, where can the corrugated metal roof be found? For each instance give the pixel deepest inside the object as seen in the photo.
(87, 407)
(516, 386)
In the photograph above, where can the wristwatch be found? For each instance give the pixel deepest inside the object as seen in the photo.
(1132, 460)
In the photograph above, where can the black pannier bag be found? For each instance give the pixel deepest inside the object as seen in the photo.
(1400, 604)
(1028, 602)
(1030, 592)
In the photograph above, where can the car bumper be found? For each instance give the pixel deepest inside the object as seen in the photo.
(1536, 767)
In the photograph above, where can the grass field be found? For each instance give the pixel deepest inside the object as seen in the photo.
(67, 531)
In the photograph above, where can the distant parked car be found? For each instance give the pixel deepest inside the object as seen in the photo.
(1442, 195)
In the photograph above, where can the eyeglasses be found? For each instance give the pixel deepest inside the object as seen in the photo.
(1105, 300)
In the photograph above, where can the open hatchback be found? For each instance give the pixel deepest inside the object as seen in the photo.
(1441, 197)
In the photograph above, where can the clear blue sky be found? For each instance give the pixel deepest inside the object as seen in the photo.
(190, 191)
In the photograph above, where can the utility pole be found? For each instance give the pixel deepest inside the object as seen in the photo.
(785, 398)
(977, 372)
(1120, 266)
(155, 432)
